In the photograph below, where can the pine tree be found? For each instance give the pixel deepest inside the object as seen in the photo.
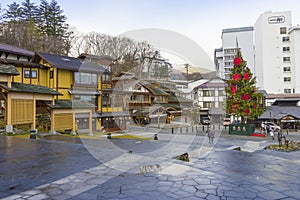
(29, 11)
(13, 13)
(57, 20)
(242, 97)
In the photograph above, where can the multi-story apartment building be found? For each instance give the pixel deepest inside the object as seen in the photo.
(273, 53)
(233, 38)
(294, 70)
(270, 49)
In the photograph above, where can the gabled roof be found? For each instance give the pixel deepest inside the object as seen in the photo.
(8, 69)
(16, 50)
(70, 63)
(153, 89)
(214, 84)
(28, 88)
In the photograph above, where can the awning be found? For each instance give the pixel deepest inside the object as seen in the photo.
(85, 115)
(113, 114)
(155, 116)
(84, 92)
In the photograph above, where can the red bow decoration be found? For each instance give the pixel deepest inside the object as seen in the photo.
(237, 61)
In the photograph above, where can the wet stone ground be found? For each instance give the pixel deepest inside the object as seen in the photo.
(40, 169)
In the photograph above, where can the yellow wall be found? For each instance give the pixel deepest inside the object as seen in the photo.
(110, 109)
(22, 111)
(65, 78)
(41, 76)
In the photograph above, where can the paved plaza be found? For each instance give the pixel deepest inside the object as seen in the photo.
(146, 169)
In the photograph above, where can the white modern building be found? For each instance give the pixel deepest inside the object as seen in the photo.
(273, 53)
(233, 38)
(294, 33)
(271, 49)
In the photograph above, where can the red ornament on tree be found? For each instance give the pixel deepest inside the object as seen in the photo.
(233, 89)
(234, 106)
(246, 76)
(246, 97)
(246, 111)
(237, 61)
(236, 77)
(254, 106)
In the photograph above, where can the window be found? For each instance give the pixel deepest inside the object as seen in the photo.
(106, 100)
(51, 74)
(85, 78)
(230, 57)
(228, 64)
(287, 69)
(285, 39)
(208, 93)
(26, 74)
(286, 59)
(228, 70)
(208, 104)
(30, 74)
(105, 78)
(287, 79)
(159, 98)
(222, 93)
(283, 30)
(286, 49)
(287, 91)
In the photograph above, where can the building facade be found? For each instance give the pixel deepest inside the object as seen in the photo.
(270, 48)
(273, 53)
(232, 39)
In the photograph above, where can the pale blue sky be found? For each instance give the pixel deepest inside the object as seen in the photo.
(200, 20)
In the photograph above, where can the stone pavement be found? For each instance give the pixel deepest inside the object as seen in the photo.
(129, 169)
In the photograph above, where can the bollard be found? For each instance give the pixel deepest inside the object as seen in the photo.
(287, 131)
(186, 129)
(108, 135)
(155, 137)
(192, 129)
(203, 128)
(172, 130)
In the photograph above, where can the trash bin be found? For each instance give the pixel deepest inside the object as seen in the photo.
(33, 133)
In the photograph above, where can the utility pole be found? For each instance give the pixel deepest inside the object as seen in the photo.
(186, 66)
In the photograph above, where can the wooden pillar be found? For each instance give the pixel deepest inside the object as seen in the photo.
(8, 109)
(33, 125)
(91, 122)
(74, 126)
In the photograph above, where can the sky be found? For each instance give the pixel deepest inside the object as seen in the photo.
(201, 21)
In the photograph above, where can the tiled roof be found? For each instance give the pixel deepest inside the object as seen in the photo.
(16, 50)
(153, 89)
(61, 103)
(114, 114)
(8, 69)
(277, 112)
(28, 88)
(178, 99)
(71, 63)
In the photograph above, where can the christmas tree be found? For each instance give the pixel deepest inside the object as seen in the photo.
(242, 97)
